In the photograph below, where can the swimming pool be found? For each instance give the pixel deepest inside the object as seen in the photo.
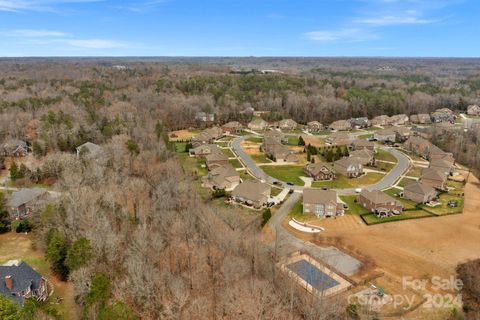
(312, 275)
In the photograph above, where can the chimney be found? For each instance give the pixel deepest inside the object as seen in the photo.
(9, 282)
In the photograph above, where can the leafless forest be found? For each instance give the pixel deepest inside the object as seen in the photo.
(166, 253)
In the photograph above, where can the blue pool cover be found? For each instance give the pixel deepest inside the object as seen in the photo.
(312, 275)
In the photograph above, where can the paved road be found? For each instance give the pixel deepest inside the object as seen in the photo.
(403, 163)
(286, 243)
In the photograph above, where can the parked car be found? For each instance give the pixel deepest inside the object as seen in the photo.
(277, 183)
(290, 184)
(290, 191)
(358, 190)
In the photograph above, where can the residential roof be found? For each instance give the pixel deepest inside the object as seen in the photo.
(419, 187)
(384, 132)
(216, 157)
(318, 196)
(253, 190)
(345, 162)
(232, 124)
(433, 174)
(23, 276)
(358, 143)
(378, 197)
(206, 148)
(91, 147)
(287, 122)
(317, 167)
(363, 153)
(24, 195)
(220, 176)
(314, 123)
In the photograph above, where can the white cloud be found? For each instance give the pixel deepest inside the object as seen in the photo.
(409, 17)
(346, 34)
(31, 33)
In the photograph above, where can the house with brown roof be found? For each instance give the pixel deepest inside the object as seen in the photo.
(257, 124)
(435, 153)
(216, 160)
(204, 150)
(22, 203)
(252, 193)
(473, 110)
(207, 136)
(14, 148)
(340, 125)
(385, 135)
(399, 119)
(319, 171)
(322, 203)
(222, 178)
(382, 120)
(421, 118)
(314, 126)
(365, 156)
(339, 139)
(287, 125)
(402, 133)
(232, 127)
(419, 192)
(433, 178)
(442, 165)
(379, 202)
(418, 145)
(360, 144)
(349, 167)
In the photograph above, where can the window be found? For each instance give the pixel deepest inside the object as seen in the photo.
(319, 210)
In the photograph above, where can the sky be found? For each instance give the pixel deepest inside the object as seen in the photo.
(399, 28)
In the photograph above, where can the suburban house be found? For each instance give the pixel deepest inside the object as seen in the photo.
(402, 133)
(204, 150)
(232, 127)
(385, 135)
(19, 282)
(399, 119)
(258, 125)
(207, 136)
(443, 115)
(419, 192)
(435, 153)
(340, 125)
(287, 125)
(418, 145)
(204, 117)
(89, 149)
(274, 149)
(360, 123)
(248, 111)
(473, 110)
(215, 160)
(222, 178)
(365, 156)
(379, 202)
(14, 148)
(322, 203)
(339, 139)
(314, 126)
(382, 120)
(421, 118)
(433, 178)
(274, 136)
(444, 166)
(349, 167)
(360, 144)
(319, 171)
(23, 203)
(252, 192)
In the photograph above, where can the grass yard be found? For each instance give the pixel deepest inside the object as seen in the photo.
(235, 163)
(222, 143)
(411, 155)
(260, 158)
(372, 128)
(254, 139)
(407, 204)
(286, 173)
(385, 156)
(353, 207)
(367, 179)
(342, 182)
(293, 140)
(415, 172)
(192, 165)
(365, 136)
(228, 153)
(325, 132)
(180, 147)
(372, 219)
(405, 181)
(443, 208)
(383, 166)
(275, 191)
(297, 212)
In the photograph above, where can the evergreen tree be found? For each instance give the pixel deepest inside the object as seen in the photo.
(78, 254)
(301, 142)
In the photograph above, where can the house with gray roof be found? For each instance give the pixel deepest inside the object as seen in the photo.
(204, 150)
(365, 156)
(19, 282)
(215, 160)
(419, 192)
(421, 118)
(349, 167)
(314, 126)
(252, 193)
(434, 178)
(360, 144)
(340, 125)
(385, 135)
(222, 178)
(473, 110)
(379, 202)
(89, 148)
(22, 203)
(14, 148)
(258, 125)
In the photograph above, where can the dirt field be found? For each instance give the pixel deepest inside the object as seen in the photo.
(19, 246)
(182, 135)
(313, 141)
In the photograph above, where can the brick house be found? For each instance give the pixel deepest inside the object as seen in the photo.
(377, 201)
(319, 171)
(322, 203)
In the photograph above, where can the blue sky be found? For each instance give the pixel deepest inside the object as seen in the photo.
(432, 28)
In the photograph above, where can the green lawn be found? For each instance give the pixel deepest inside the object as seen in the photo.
(365, 136)
(353, 207)
(385, 156)
(415, 172)
(443, 208)
(180, 147)
(404, 182)
(297, 212)
(342, 182)
(411, 155)
(222, 143)
(372, 128)
(260, 158)
(372, 219)
(383, 166)
(235, 163)
(323, 132)
(228, 153)
(192, 165)
(254, 139)
(286, 173)
(407, 204)
(293, 140)
(275, 191)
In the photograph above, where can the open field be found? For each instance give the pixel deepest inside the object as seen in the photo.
(19, 246)
(385, 156)
(182, 135)
(353, 207)
(286, 173)
(313, 141)
(342, 182)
